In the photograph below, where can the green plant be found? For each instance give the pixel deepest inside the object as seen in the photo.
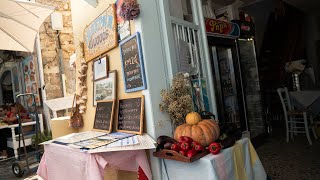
(42, 137)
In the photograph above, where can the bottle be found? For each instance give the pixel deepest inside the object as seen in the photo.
(230, 89)
(224, 86)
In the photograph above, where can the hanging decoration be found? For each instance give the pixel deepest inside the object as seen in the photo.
(82, 95)
(130, 10)
(76, 119)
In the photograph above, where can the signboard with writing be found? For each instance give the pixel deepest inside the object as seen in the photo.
(104, 116)
(132, 64)
(222, 28)
(101, 35)
(130, 115)
(123, 26)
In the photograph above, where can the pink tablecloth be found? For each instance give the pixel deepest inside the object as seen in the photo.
(63, 163)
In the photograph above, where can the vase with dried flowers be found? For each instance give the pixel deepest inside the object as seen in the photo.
(177, 100)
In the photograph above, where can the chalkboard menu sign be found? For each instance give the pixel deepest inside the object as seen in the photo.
(130, 115)
(132, 64)
(104, 116)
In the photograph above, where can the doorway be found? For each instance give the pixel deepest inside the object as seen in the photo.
(6, 88)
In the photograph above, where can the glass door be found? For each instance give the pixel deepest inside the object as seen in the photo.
(229, 110)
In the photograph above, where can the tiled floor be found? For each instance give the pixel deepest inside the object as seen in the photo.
(295, 160)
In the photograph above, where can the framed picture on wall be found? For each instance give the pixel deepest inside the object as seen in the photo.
(123, 26)
(100, 68)
(105, 89)
(101, 35)
(132, 64)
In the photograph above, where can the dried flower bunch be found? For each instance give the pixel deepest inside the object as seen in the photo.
(177, 101)
(130, 10)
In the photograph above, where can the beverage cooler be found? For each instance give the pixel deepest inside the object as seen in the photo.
(236, 78)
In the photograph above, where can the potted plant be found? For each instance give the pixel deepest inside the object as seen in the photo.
(42, 137)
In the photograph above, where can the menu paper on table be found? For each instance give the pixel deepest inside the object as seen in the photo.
(145, 142)
(77, 137)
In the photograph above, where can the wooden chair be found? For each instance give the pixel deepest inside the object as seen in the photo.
(13, 141)
(296, 121)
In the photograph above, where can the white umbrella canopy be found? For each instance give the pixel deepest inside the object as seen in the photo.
(20, 22)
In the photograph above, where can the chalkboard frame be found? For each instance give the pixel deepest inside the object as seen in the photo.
(141, 116)
(144, 86)
(111, 120)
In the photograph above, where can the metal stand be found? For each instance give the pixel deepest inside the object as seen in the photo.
(20, 166)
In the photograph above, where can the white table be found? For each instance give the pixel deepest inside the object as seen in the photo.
(237, 162)
(306, 100)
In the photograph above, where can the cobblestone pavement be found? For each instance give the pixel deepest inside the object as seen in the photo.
(6, 172)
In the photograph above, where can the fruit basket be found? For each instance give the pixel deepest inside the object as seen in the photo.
(173, 155)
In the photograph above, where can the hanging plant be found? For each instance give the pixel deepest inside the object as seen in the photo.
(130, 10)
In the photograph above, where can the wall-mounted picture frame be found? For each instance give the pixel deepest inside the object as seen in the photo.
(124, 29)
(132, 64)
(100, 68)
(101, 35)
(105, 89)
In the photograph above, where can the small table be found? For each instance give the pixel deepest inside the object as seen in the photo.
(62, 162)
(306, 100)
(237, 162)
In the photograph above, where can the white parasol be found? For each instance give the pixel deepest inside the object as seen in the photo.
(20, 22)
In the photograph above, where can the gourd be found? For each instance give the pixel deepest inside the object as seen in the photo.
(193, 118)
(204, 132)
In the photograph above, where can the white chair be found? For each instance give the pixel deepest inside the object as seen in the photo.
(296, 121)
(13, 141)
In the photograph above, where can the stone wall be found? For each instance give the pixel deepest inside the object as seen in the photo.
(50, 51)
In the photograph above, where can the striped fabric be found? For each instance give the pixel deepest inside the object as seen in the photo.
(239, 162)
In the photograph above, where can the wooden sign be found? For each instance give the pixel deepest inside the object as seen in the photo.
(132, 64)
(130, 115)
(101, 35)
(104, 116)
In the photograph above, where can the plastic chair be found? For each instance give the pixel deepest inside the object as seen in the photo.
(294, 118)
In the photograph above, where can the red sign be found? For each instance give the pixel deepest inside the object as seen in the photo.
(222, 28)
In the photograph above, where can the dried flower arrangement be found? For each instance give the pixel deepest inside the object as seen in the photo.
(177, 101)
(130, 10)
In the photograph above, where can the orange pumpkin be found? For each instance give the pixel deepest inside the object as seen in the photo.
(193, 118)
(205, 132)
